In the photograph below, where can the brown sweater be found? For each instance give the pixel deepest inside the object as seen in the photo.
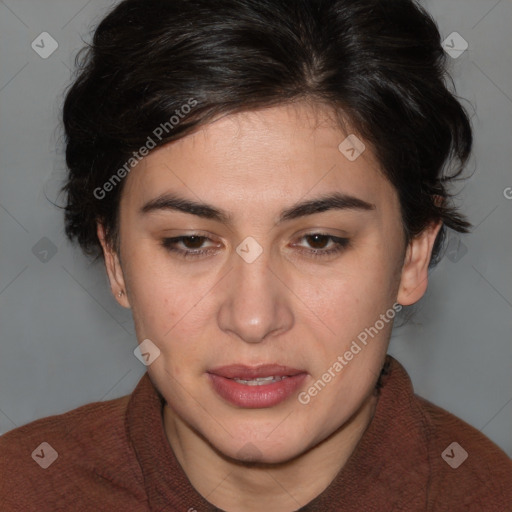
(114, 456)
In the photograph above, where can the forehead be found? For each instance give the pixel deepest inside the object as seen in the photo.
(277, 154)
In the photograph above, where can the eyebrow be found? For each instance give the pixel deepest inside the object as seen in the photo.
(335, 201)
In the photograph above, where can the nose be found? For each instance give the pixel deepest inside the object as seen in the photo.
(255, 301)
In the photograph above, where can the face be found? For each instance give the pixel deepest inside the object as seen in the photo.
(254, 248)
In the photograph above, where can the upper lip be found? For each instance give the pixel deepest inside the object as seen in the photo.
(240, 371)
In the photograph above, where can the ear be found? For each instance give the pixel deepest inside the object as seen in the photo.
(113, 267)
(414, 276)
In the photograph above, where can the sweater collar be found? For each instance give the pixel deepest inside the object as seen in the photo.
(388, 466)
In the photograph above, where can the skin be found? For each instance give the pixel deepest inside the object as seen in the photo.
(286, 307)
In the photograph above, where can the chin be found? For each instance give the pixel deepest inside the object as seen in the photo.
(261, 451)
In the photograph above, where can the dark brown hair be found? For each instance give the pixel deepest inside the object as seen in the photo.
(378, 62)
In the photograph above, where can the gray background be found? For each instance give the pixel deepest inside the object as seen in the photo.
(65, 341)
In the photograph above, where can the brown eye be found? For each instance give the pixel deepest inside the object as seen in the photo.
(323, 245)
(190, 246)
(193, 242)
(317, 241)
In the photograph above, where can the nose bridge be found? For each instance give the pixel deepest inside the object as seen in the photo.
(254, 304)
(252, 277)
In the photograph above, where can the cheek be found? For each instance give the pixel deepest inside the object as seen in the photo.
(351, 305)
(153, 299)
(168, 310)
(351, 294)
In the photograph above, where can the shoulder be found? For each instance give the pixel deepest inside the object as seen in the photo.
(466, 467)
(435, 457)
(66, 455)
(90, 424)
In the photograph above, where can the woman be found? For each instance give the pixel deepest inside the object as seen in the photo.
(267, 183)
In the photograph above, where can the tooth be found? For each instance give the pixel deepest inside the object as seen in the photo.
(259, 381)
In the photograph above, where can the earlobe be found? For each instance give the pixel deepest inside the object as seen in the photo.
(113, 268)
(414, 276)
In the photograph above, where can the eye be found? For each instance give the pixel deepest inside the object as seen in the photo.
(192, 246)
(320, 244)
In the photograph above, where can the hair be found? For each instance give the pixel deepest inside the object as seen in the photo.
(378, 63)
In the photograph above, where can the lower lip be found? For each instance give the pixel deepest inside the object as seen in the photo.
(256, 397)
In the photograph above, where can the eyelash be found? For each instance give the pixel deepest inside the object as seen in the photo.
(169, 245)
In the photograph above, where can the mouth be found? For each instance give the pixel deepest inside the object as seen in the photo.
(256, 387)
